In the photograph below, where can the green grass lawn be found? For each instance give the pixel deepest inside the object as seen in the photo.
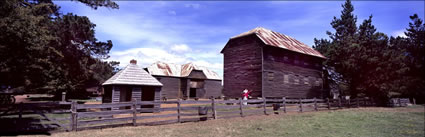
(356, 122)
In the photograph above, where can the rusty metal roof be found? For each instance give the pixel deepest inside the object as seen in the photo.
(175, 70)
(276, 39)
(132, 75)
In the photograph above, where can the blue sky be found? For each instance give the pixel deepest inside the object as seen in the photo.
(195, 31)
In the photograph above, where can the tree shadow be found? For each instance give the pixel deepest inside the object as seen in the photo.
(24, 126)
(33, 120)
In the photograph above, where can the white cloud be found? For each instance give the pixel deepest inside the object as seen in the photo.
(399, 33)
(147, 56)
(172, 12)
(195, 6)
(180, 48)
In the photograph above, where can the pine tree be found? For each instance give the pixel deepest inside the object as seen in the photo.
(362, 59)
(413, 49)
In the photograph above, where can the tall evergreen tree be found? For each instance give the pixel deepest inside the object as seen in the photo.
(361, 59)
(413, 48)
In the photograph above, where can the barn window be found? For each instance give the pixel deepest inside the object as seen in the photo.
(296, 60)
(296, 80)
(285, 79)
(270, 76)
(317, 82)
(306, 80)
(285, 58)
(270, 57)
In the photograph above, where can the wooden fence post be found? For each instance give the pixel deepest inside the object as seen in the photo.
(315, 104)
(214, 112)
(301, 105)
(339, 102)
(349, 103)
(264, 106)
(329, 104)
(134, 111)
(178, 110)
(20, 110)
(284, 104)
(399, 102)
(240, 106)
(357, 102)
(63, 96)
(74, 116)
(364, 101)
(414, 101)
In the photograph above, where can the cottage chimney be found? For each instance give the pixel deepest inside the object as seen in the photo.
(133, 61)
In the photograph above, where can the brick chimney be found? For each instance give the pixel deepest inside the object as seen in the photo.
(133, 61)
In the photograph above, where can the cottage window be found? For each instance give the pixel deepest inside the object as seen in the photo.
(285, 79)
(270, 76)
(306, 80)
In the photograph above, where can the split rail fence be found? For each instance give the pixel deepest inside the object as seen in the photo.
(135, 113)
(132, 114)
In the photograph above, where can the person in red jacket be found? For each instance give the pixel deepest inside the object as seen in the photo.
(245, 95)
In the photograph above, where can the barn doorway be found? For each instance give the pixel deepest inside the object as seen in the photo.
(192, 93)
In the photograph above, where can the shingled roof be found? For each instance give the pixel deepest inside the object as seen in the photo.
(132, 75)
(276, 39)
(175, 70)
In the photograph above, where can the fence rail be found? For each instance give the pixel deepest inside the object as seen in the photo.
(89, 116)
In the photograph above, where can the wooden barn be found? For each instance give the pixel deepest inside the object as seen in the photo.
(271, 64)
(132, 82)
(186, 81)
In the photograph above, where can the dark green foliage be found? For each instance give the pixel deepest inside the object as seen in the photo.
(364, 62)
(413, 49)
(43, 51)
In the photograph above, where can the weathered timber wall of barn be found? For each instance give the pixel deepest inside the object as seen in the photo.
(171, 86)
(213, 88)
(176, 87)
(242, 66)
(290, 74)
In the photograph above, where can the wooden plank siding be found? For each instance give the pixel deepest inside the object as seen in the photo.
(171, 86)
(290, 74)
(270, 71)
(179, 87)
(115, 95)
(157, 95)
(212, 88)
(242, 66)
(136, 93)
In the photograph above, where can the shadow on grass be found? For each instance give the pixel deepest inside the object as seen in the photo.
(24, 126)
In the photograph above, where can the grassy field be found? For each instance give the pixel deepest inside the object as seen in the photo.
(356, 122)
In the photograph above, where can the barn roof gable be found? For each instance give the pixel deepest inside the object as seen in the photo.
(132, 75)
(279, 40)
